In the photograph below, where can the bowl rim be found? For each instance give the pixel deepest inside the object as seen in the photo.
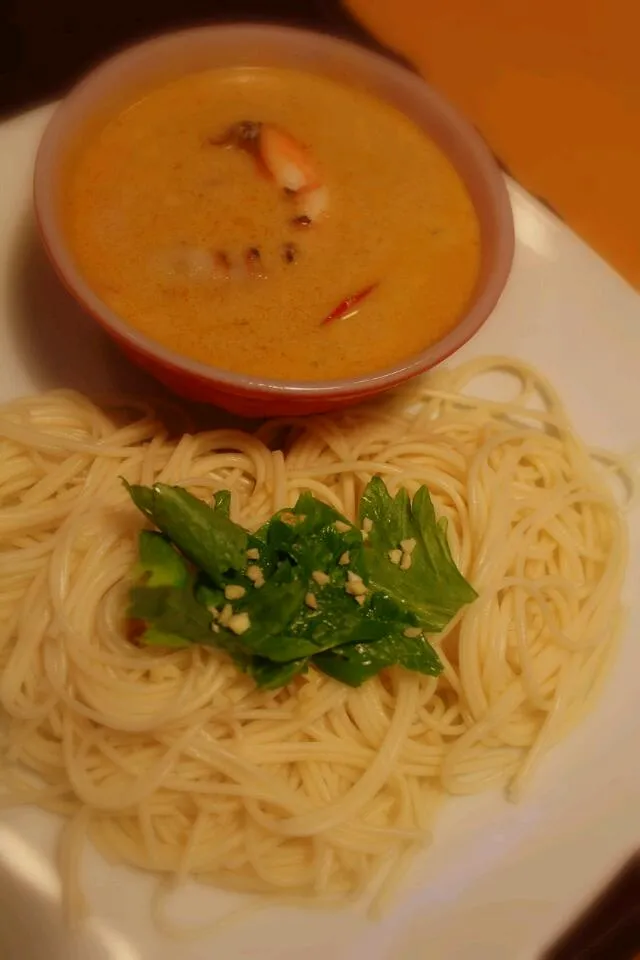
(482, 159)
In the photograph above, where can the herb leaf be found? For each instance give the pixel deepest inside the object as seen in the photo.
(159, 563)
(357, 662)
(161, 600)
(272, 676)
(205, 536)
(309, 536)
(222, 502)
(432, 586)
(171, 615)
(365, 656)
(270, 610)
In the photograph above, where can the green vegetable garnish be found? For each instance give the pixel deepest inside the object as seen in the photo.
(307, 588)
(222, 502)
(163, 597)
(432, 586)
(272, 676)
(207, 537)
(159, 563)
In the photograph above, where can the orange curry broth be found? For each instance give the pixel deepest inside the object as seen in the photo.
(151, 203)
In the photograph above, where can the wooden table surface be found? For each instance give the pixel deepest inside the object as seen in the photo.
(554, 86)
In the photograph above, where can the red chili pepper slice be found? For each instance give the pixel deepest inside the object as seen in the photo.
(348, 304)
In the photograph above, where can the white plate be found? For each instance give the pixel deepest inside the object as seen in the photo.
(500, 880)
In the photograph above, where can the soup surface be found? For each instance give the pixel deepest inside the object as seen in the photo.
(274, 223)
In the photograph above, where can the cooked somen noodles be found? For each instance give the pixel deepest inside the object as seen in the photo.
(173, 760)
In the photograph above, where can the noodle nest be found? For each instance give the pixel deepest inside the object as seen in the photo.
(172, 760)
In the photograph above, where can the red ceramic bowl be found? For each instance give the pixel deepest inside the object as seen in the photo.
(127, 76)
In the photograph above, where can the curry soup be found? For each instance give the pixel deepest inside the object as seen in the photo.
(274, 223)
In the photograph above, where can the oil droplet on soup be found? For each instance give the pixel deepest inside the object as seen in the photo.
(231, 212)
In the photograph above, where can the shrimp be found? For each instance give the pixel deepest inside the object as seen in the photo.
(290, 165)
(286, 161)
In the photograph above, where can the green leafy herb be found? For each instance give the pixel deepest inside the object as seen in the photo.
(162, 599)
(272, 676)
(315, 536)
(171, 616)
(270, 610)
(207, 537)
(306, 589)
(356, 662)
(432, 586)
(222, 502)
(159, 563)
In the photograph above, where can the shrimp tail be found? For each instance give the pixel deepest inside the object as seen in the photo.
(286, 161)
